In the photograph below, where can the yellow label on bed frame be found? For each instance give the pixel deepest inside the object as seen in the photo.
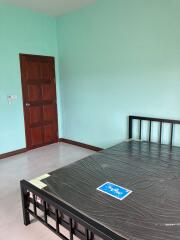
(38, 184)
(37, 181)
(46, 175)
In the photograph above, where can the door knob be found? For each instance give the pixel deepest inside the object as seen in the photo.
(27, 104)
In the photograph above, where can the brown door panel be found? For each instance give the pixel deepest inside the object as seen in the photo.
(47, 72)
(32, 71)
(49, 112)
(47, 92)
(33, 92)
(49, 133)
(36, 138)
(39, 97)
(34, 115)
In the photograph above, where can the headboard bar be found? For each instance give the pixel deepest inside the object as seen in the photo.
(150, 127)
(150, 120)
(172, 127)
(155, 119)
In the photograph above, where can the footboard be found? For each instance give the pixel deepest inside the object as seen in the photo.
(59, 217)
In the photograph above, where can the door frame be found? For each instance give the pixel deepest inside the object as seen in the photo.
(21, 55)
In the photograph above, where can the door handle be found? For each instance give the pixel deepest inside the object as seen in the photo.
(28, 104)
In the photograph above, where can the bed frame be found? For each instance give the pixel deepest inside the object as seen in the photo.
(151, 120)
(30, 193)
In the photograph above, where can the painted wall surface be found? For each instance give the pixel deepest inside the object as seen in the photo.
(21, 31)
(118, 57)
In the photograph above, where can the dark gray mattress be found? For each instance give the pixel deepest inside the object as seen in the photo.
(150, 170)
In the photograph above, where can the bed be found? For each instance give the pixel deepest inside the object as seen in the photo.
(68, 202)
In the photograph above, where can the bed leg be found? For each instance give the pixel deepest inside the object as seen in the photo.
(25, 204)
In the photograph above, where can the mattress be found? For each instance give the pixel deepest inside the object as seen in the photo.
(151, 171)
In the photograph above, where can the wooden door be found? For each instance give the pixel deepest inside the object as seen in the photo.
(39, 99)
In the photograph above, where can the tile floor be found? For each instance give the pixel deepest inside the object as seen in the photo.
(28, 166)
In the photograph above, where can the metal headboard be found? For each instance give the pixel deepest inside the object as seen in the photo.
(150, 120)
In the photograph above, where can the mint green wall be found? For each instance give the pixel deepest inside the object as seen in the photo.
(118, 57)
(21, 31)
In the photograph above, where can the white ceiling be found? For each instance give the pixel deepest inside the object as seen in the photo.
(50, 7)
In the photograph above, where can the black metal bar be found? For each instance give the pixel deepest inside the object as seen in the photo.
(160, 132)
(61, 221)
(171, 139)
(48, 225)
(130, 127)
(91, 236)
(87, 234)
(52, 215)
(150, 125)
(34, 204)
(25, 204)
(57, 221)
(45, 211)
(140, 129)
(71, 229)
(155, 119)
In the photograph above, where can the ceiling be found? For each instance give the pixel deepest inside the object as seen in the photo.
(50, 7)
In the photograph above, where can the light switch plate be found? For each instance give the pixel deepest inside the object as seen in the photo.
(11, 98)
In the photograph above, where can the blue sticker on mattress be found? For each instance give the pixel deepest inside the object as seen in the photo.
(114, 190)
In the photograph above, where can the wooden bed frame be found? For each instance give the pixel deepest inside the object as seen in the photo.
(91, 228)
